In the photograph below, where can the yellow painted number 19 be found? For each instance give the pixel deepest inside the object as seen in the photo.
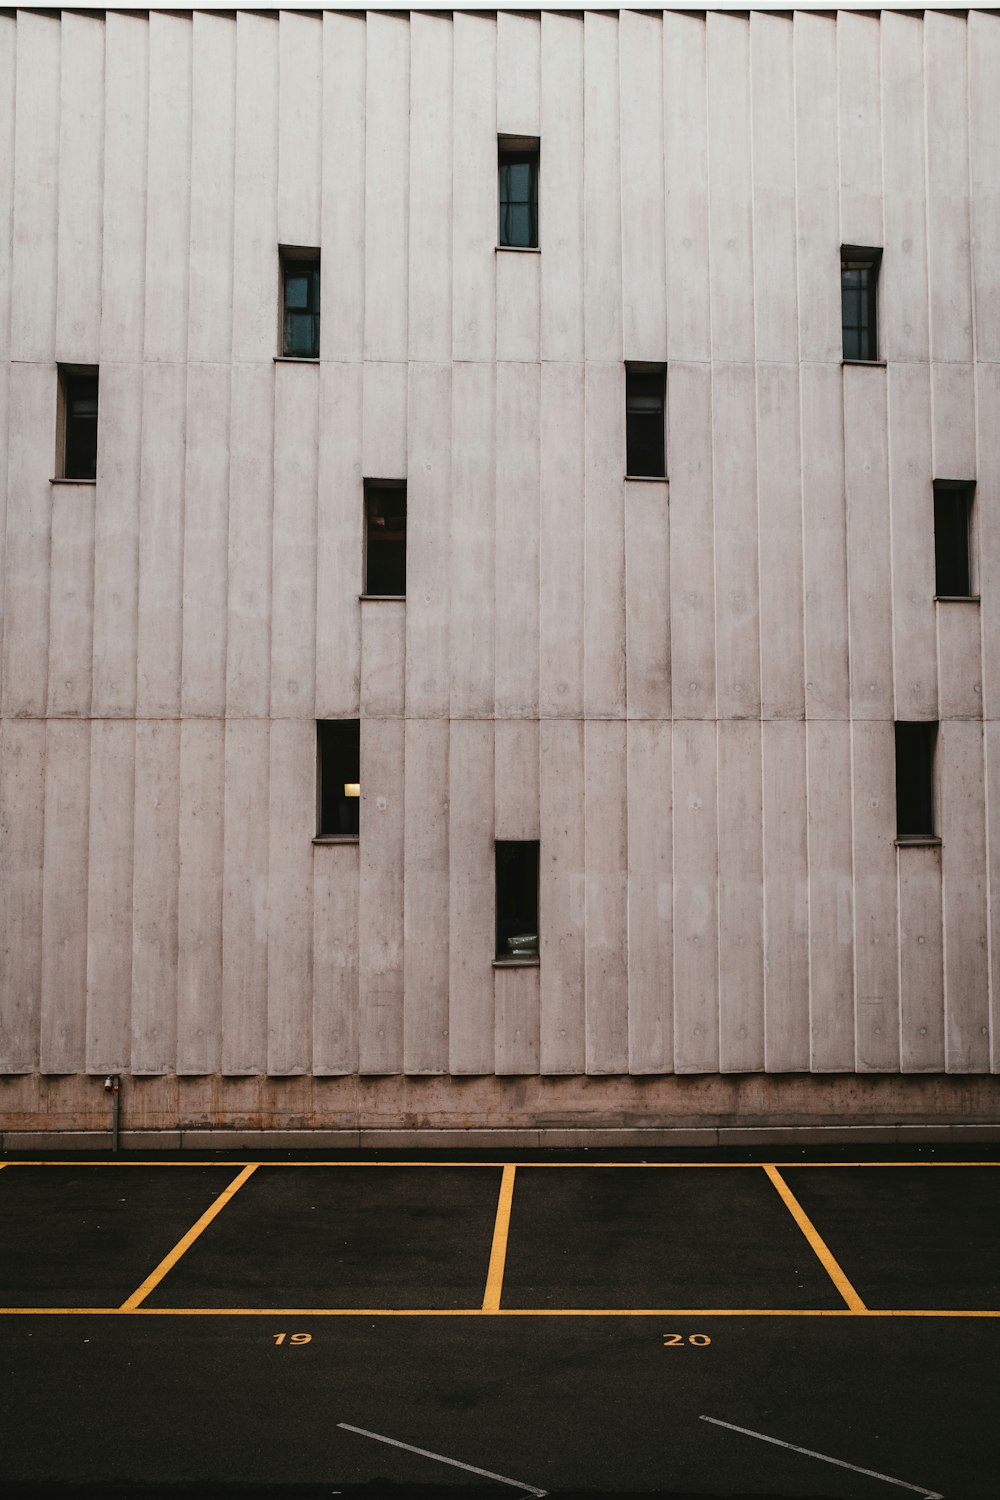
(295, 1338)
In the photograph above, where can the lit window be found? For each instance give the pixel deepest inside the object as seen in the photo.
(645, 443)
(518, 172)
(915, 780)
(300, 303)
(338, 777)
(78, 425)
(385, 537)
(517, 899)
(952, 530)
(859, 267)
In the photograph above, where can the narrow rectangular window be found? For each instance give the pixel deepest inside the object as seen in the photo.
(952, 529)
(78, 435)
(517, 158)
(338, 777)
(915, 780)
(300, 302)
(517, 898)
(859, 268)
(645, 442)
(385, 537)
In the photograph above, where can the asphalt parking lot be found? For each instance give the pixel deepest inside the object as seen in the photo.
(480, 1327)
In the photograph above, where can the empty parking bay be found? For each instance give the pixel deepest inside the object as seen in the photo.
(75, 1237)
(356, 1237)
(657, 1238)
(910, 1237)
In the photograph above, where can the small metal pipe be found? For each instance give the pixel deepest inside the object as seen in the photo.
(112, 1086)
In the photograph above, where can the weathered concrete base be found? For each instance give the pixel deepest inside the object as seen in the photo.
(171, 1113)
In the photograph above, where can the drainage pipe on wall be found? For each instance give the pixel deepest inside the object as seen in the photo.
(112, 1086)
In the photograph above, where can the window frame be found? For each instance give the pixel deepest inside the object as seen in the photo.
(289, 257)
(525, 956)
(857, 258)
(646, 370)
(916, 761)
(338, 761)
(67, 374)
(529, 148)
(372, 488)
(951, 494)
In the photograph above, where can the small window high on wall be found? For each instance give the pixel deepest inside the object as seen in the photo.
(517, 161)
(645, 421)
(517, 899)
(385, 538)
(915, 746)
(78, 393)
(338, 777)
(952, 532)
(859, 268)
(300, 302)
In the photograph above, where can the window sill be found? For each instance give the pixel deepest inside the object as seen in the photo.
(521, 249)
(337, 838)
(515, 963)
(646, 479)
(296, 359)
(956, 598)
(872, 364)
(917, 841)
(60, 480)
(383, 598)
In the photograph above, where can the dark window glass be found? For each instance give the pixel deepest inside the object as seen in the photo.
(519, 198)
(517, 899)
(300, 284)
(952, 516)
(385, 537)
(915, 780)
(858, 282)
(644, 423)
(80, 435)
(338, 754)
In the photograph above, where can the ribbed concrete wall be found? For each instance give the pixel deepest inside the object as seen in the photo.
(685, 691)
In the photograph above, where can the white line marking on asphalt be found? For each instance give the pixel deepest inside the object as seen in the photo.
(471, 1468)
(825, 1457)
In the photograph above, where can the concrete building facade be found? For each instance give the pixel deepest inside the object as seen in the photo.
(685, 689)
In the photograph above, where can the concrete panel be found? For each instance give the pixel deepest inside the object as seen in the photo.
(961, 775)
(244, 898)
(562, 897)
(516, 552)
(562, 187)
(126, 126)
(561, 541)
(63, 993)
(516, 779)
(293, 544)
(984, 173)
(991, 738)
(475, 178)
(954, 405)
(606, 866)
(116, 541)
(518, 68)
(604, 542)
(686, 167)
(383, 420)
(741, 897)
(8, 75)
(428, 541)
(292, 823)
(206, 540)
(71, 599)
(730, 214)
(737, 595)
(426, 898)
(650, 899)
(602, 241)
(959, 661)
(22, 829)
(300, 127)
(516, 1003)
(339, 543)
(986, 529)
(647, 600)
(33, 254)
(335, 958)
(817, 172)
(255, 200)
(199, 895)
(912, 519)
(946, 46)
(696, 898)
(831, 896)
(430, 191)
(380, 926)
(161, 540)
(387, 88)
(518, 304)
(168, 202)
(251, 499)
(342, 268)
(472, 539)
(81, 173)
(155, 882)
(472, 899)
(213, 160)
(692, 544)
(860, 131)
(109, 896)
(868, 542)
(824, 543)
(383, 657)
(644, 273)
(921, 971)
(30, 460)
(903, 292)
(772, 108)
(786, 897)
(779, 505)
(876, 924)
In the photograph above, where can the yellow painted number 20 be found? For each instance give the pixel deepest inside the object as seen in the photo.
(672, 1340)
(295, 1338)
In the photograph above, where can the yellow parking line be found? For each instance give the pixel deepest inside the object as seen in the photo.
(169, 1261)
(501, 1312)
(498, 1251)
(665, 1166)
(812, 1234)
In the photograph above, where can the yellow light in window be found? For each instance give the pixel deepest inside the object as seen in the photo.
(352, 789)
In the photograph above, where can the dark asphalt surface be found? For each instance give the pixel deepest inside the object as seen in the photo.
(174, 1404)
